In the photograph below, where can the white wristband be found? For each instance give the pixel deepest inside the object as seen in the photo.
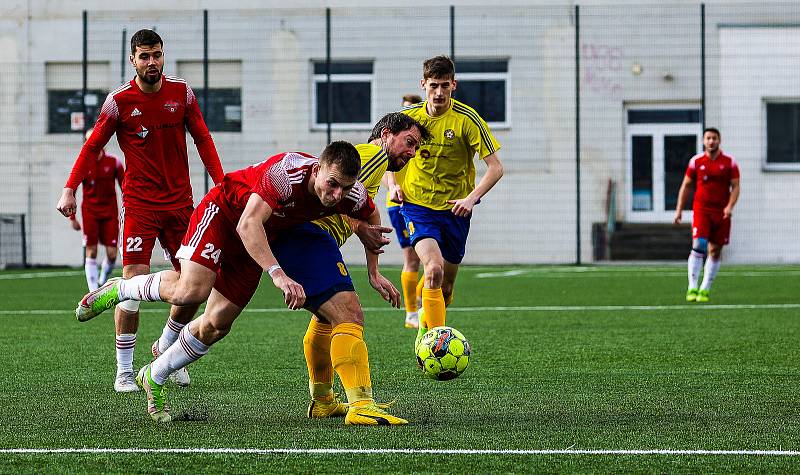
(273, 268)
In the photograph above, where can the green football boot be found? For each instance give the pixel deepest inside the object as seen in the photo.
(156, 396)
(98, 301)
(691, 295)
(703, 296)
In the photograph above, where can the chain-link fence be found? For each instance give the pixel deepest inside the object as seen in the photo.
(598, 110)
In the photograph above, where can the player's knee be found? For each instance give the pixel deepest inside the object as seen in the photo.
(130, 306)
(700, 245)
(91, 252)
(211, 330)
(190, 294)
(434, 274)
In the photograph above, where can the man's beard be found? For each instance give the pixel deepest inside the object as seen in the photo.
(147, 79)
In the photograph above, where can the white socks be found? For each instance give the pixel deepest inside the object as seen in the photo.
(90, 266)
(710, 272)
(125, 345)
(106, 270)
(694, 265)
(169, 335)
(186, 350)
(141, 288)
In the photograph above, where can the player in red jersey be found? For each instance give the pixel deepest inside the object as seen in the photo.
(715, 177)
(150, 116)
(229, 245)
(100, 215)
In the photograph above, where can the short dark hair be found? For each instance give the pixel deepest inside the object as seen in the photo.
(344, 155)
(412, 98)
(398, 122)
(145, 37)
(438, 67)
(712, 129)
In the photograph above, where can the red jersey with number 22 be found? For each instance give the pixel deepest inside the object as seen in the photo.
(712, 180)
(151, 131)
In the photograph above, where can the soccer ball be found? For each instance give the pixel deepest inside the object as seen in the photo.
(443, 353)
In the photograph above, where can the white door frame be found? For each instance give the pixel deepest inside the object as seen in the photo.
(657, 131)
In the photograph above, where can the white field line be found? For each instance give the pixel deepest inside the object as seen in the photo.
(40, 275)
(542, 308)
(277, 451)
(606, 273)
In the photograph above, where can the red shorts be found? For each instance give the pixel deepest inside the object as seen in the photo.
(140, 228)
(104, 230)
(212, 241)
(711, 226)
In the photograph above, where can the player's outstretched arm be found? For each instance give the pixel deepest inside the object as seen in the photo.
(682, 197)
(370, 232)
(381, 284)
(104, 128)
(251, 230)
(728, 211)
(202, 138)
(463, 207)
(393, 189)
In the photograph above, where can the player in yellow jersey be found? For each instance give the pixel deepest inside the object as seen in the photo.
(410, 273)
(395, 139)
(439, 191)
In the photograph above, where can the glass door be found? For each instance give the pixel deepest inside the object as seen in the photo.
(658, 154)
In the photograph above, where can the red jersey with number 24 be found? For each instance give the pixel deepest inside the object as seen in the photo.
(282, 182)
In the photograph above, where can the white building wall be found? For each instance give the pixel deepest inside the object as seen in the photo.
(529, 216)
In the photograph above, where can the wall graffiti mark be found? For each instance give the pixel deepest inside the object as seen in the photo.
(602, 68)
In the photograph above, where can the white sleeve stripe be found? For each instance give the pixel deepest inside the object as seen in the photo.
(124, 87)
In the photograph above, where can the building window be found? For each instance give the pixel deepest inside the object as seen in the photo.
(482, 86)
(783, 136)
(351, 84)
(65, 113)
(223, 113)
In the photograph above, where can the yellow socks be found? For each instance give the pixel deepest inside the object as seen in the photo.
(408, 280)
(317, 348)
(433, 304)
(351, 362)
(420, 285)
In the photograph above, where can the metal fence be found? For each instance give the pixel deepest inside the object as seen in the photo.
(598, 109)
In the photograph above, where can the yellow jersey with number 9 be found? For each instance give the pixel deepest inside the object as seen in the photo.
(373, 165)
(444, 167)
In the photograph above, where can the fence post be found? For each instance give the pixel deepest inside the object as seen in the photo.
(123, 55)
(577, 136)
(205, 78)
(85, 70)
(329, 117)
(703, 63)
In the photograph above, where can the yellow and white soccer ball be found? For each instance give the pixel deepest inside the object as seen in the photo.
(443, 353)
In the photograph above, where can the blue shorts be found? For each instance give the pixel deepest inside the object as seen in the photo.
(399, 225)
(449, 230)
(310, 257)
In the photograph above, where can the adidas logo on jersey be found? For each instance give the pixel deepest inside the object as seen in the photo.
(142, 133)
(135, 112)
